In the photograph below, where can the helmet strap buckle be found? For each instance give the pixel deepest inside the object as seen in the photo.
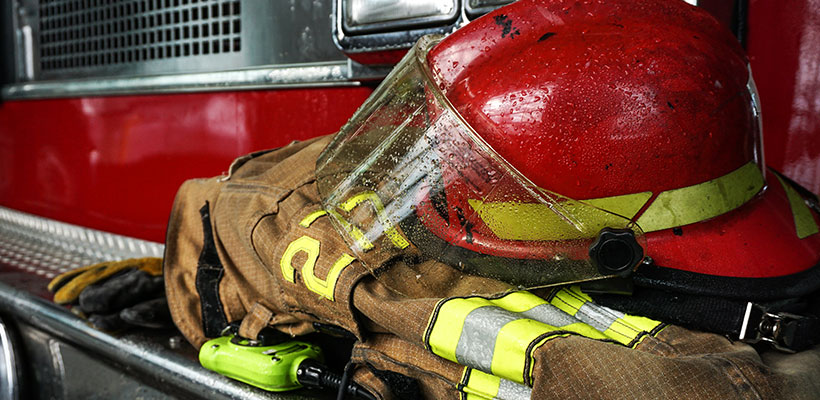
(760, 325)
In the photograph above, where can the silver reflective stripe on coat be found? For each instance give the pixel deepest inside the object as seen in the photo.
(598, 317)
(509, 390)
(477, 342)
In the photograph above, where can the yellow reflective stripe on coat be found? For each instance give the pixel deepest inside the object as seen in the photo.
(804, 223)
(628, 330)
(480, 386)
(497, 336)
(671, 208)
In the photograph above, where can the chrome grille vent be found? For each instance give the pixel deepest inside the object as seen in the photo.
(83, 34)
(68, 48)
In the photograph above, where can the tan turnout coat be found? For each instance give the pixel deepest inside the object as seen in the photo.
(270, 275)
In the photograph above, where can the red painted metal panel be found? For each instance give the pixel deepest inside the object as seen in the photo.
(115, 163)
(783, 43)
(720, 9)
(784, 48)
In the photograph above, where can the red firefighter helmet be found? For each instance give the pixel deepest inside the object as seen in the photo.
(643, 108)
(642, 111)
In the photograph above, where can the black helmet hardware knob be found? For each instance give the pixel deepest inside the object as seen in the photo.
(616, 252)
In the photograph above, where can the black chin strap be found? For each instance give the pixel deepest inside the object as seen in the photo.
(788, 325)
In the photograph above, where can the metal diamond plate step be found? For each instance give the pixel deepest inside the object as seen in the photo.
(47, 247)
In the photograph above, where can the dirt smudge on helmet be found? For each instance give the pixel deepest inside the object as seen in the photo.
(506, 26)
(546, 36)
(468, 226)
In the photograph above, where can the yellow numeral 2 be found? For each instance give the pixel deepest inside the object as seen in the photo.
(310, 246)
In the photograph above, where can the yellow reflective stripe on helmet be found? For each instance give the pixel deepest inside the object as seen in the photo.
(705, 200)
(478, 385)
(538, 221)
(671, 208)
(626, 205)
(498, 336)
(804, 223)
(625, 329)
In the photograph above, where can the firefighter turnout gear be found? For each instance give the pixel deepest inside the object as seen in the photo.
(547, 343)
(486, 334)
(539, 205)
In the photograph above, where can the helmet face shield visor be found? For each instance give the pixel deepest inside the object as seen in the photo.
(408, 182)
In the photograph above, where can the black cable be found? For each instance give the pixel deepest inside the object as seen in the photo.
(340, 395)
(312, 374)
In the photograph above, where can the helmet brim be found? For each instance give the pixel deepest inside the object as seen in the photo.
(772, 235)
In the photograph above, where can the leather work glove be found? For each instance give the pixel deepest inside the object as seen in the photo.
(116, 295)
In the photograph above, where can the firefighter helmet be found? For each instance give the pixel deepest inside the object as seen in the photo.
(550, 137)
(643, 108)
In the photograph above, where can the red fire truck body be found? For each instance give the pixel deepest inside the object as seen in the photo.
(107, 107)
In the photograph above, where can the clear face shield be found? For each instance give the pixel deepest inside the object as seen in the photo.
(429, 207)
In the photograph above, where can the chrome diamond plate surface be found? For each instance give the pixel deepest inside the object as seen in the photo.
(47, 247)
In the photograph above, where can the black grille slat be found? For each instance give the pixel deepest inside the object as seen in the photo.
(82, 34)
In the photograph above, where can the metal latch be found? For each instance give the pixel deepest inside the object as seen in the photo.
(759, 325)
